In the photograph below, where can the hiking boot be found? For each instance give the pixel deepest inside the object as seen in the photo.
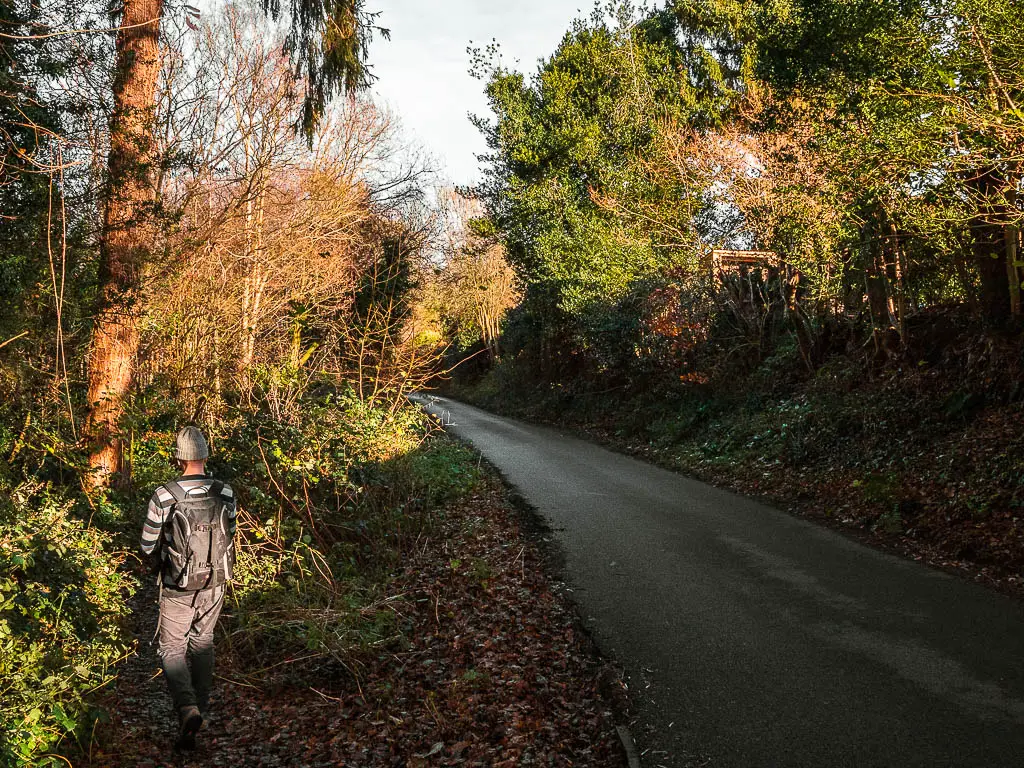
(190, 723)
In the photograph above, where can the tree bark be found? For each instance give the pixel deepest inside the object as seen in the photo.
(1012, 234)
(896, 272)
(1012, 270)
(988, 229)
(128, 233)
(875, 286)
(805, 342)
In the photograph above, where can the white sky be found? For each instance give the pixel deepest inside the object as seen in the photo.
(423, 70)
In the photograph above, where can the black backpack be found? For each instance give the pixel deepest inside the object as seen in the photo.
(201, 551)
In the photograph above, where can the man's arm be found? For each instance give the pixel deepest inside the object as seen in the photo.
(156, 514)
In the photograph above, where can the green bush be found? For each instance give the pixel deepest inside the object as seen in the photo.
(330, 502)
(62, 596)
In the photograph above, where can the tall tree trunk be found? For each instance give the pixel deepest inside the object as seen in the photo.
(1012, 235)
(896, 272)
(875, 286)
(1013, 268)
(804, 340)
(255, 280)
(988, 229)
(128, 232)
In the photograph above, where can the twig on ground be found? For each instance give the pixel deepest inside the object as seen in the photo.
(324, 696)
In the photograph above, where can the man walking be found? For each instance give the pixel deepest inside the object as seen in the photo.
(189, 528)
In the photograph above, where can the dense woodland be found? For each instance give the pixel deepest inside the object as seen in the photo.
(778, 245)
(195, 230)
(756, 239)
(870, 149)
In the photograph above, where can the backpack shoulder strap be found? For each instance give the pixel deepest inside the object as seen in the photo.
(176, 491)
(216, 487)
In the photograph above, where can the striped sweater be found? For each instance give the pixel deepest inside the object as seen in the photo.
(160, 505)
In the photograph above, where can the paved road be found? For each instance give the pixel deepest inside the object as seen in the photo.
(752, 638)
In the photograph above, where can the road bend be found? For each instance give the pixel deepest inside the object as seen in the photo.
(753, 638)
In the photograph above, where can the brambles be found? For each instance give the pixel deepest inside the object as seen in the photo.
(331, 503)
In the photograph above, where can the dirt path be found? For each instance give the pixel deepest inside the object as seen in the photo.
(494, 670)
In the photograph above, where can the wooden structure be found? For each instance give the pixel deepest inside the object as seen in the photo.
(752, 296)
(717, 258)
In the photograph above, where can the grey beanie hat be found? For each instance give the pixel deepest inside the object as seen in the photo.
(192, 445)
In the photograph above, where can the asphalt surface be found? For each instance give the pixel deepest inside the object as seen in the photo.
(753, 638)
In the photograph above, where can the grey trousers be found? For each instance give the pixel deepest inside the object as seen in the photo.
(185, 644)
